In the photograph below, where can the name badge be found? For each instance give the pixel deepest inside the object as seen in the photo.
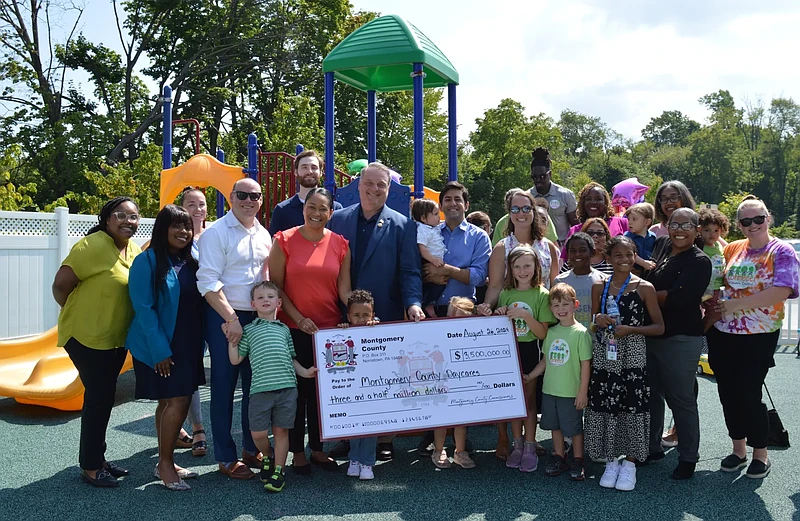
(611, 350)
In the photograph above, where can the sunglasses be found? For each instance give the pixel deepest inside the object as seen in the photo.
(123, 216)
(596, 233)
(758, 219)
(670, 199)
(687, 227)
(523, 209)
(254, 196)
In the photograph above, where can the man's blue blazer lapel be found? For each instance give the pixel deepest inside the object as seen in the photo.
(380, 230)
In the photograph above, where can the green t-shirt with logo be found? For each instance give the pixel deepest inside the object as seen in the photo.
(564, 349)
(717, 266)
(536, 301)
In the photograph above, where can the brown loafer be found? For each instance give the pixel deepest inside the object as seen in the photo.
(236, 470)
(252, 460)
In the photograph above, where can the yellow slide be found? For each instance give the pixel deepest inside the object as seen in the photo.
(35, 371)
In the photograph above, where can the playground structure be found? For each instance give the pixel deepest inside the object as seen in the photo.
(385, 55)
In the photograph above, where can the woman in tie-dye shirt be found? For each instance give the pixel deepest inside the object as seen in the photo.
(761, 272)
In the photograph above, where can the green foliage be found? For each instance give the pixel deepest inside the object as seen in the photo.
(139, 181)
(13, 198)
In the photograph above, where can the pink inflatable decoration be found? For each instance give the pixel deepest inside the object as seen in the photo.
(627, 193)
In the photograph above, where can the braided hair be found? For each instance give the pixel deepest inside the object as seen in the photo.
(540, 157)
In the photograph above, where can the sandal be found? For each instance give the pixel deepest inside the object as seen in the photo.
(184, 442)
(199, 447)
(501, 452)
(182, 473)
(179, 485)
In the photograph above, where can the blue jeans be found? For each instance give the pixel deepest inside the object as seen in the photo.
(224, 376)
(362, 450)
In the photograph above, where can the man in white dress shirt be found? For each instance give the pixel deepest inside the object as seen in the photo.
(233, 254)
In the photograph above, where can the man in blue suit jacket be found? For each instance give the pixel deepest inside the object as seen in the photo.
(385, 258)
(383, 243)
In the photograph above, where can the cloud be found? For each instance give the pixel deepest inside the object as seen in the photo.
(623, 60)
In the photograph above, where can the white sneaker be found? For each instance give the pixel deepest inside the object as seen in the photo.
(609, 478)
(366, 473)
(627, 476)
(354, 470)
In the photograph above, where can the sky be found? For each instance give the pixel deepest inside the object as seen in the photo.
(625, 61)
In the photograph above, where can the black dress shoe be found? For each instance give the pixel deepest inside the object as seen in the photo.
(654, 456)
(102, 479)
(115, 470)
(340, 450)
(684, 470)
(328, 464)
(385, 452)
(425, 447)
(303, 470)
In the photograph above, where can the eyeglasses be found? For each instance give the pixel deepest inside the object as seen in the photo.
(687, 227)
(523, 209)
(123, 216)
(254, 196)
(670, 199)
(596, 233)
(747, 221)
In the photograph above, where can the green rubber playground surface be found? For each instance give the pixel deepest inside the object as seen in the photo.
(39, 477)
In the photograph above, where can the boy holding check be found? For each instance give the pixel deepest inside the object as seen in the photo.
(273, 391)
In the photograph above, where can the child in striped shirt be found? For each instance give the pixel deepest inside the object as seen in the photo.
(273, 391)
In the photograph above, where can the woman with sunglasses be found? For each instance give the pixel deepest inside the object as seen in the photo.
(680, 278)
(597, 229)
(526, 226)
(92, 289)
(761, 272)
(669, 197)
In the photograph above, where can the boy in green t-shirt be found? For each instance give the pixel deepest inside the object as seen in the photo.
(566, 366)
(273, 391)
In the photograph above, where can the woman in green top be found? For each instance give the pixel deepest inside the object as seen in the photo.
(92, 289)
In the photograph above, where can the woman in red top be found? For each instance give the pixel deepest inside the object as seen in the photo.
(312, 268)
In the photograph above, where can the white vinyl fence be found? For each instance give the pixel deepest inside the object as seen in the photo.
(32, 246)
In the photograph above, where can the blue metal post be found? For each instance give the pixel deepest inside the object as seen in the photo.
(419, 175)
(372, 132)
(252, 157)
(220, 197)
(330, 176)
(166, 143)
(452, 137)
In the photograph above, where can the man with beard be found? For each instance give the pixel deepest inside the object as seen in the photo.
(308, 167)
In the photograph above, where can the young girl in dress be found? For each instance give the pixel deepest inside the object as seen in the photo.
(458, 307)
(618, 417)
(525, 300)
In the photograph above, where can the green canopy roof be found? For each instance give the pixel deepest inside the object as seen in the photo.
(380, 55)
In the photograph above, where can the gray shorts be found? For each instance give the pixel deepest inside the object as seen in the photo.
(560, 414)
(273, 408)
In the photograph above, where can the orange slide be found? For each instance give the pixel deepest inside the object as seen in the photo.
(35, 371)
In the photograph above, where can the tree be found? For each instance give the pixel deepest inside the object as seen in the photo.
(13, 197)
(584, 134)
(671, 128)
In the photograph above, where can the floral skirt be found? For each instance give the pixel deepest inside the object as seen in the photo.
(617, 420)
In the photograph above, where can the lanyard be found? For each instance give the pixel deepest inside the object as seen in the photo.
(619, 295)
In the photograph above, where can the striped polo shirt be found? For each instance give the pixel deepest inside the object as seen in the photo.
(271, 350)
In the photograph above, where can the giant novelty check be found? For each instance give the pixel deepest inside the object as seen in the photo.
(407, 376)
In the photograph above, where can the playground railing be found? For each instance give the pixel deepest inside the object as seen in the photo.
(278, 181)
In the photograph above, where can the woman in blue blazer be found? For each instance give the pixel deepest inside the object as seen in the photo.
(165, 337)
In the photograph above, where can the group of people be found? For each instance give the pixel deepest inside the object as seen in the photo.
(611, 314)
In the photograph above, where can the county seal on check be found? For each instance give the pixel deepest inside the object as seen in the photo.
(415, 376)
